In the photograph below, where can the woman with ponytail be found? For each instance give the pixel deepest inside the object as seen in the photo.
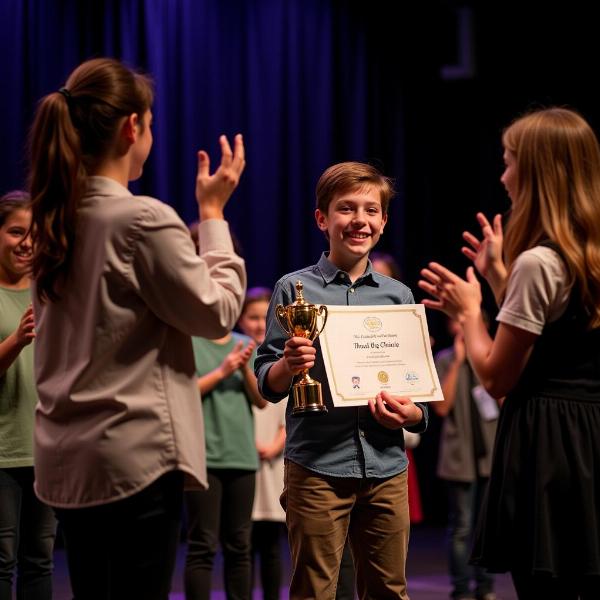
(118, 292)
(541, 516)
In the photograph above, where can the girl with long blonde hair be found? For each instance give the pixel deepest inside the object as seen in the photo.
(541, 518)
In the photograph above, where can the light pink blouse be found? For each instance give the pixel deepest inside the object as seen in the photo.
(119, 405)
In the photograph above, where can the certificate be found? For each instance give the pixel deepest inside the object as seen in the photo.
(368, 349)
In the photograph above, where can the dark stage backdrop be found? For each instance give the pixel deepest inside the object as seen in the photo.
(423, 93)
(302, 80)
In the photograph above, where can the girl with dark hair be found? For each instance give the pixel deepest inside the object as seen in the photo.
(118, 292)
(27, 526)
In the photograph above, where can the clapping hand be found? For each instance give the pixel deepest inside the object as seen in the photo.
(486, 253)
(25, 332)
(213, 191)
(237, 358)
(453, 295)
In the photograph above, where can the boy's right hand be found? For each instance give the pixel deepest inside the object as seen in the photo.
(299, 354)
(213, 191)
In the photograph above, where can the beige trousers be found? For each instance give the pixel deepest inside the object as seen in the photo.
(321, 511)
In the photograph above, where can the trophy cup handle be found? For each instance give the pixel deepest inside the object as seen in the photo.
(281, 315)
(323, 313)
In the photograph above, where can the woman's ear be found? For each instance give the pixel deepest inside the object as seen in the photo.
(129, 129)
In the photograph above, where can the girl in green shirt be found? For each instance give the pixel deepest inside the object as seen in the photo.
(27, 527)
(223, 513)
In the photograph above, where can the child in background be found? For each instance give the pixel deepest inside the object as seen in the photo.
(268, 517)
(223, 513)
(385, 264)
(27, 526)
(465, 458)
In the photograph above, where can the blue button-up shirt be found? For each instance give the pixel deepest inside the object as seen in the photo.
(345, 442)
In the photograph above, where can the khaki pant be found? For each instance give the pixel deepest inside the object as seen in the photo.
(321, 511)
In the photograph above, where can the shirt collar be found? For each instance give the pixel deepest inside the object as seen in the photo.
(98, 185)
(331, 273)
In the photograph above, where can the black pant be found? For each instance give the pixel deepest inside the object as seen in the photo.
(221, 513)
(125, 549)
(27, 532)
(266, 546)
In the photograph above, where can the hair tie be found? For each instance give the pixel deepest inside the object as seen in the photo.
(66, 93)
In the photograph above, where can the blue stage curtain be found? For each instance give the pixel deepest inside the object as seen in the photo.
(306, 81)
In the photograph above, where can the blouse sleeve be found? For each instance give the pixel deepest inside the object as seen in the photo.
(199, 295)
(537, 291)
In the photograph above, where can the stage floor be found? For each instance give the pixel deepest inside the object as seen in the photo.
(426, 569)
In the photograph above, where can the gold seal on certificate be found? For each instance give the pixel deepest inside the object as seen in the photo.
(301, 319)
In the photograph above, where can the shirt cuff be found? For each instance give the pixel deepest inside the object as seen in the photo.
(265, 391)
(213, 234)
(421, 426)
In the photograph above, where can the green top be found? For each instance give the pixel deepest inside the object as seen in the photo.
(228, 421)
(18, 395)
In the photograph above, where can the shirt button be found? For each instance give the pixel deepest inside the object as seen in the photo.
(352, 290)
(361, 433)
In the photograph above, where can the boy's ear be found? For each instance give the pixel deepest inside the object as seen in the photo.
(321, 219)
(383, 221)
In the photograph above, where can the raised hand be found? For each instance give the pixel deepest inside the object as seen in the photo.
(453, 295)
(237, 358)
(213, 191)
(246, 353)
(25, 332)
(486, 253)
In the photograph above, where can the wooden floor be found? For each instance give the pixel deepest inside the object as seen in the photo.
(426, 569)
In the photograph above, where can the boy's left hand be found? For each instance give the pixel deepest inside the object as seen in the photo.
(394, 412)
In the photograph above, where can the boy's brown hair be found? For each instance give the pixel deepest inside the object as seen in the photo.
(347, 176)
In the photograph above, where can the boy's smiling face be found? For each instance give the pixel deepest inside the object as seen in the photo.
(354, 223)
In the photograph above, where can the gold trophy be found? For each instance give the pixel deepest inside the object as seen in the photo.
(300, 319)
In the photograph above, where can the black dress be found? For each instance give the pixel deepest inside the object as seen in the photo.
(542, 511)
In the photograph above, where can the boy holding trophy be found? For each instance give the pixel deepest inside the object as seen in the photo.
(345, 473)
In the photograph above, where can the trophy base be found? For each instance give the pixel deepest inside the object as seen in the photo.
(307, 398)
(308, 411)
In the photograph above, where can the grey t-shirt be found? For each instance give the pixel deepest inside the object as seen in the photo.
(537, 291)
